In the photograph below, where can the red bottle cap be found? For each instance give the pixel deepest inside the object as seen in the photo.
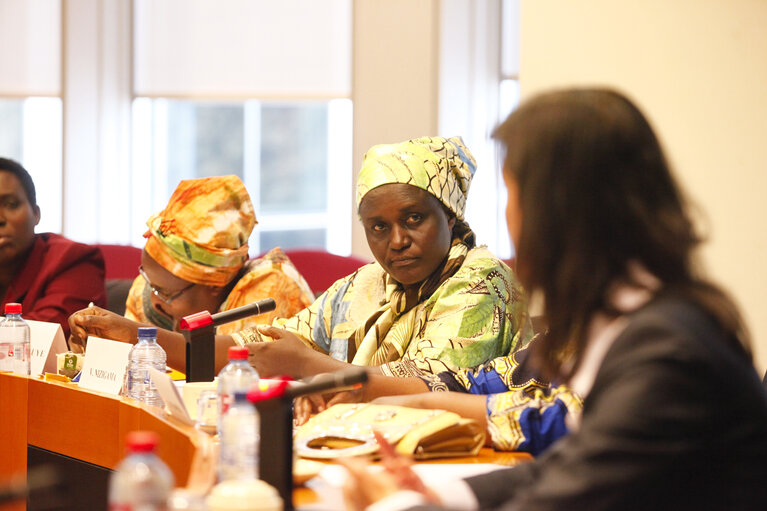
(238, 353)
(141, 441)
(13, 308)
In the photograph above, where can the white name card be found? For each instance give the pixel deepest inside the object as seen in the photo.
(170, 396)
(105, 365)
(46, 341)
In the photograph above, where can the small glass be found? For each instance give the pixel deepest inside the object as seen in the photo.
(207, 412)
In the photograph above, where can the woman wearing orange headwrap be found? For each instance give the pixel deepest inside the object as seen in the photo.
(196, 258)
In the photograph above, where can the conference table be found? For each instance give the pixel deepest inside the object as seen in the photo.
(82, 434)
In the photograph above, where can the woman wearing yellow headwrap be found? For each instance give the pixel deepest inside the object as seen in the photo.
(196, 258)
(432, 301)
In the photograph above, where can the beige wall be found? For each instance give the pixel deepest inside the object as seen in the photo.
(698, 68)
(394, 79)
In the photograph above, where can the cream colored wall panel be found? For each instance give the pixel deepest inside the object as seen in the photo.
(698, 68)
(290, 48)
(394, 79)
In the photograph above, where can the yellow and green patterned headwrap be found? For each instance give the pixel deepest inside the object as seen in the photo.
(441, 166)
(202, 234)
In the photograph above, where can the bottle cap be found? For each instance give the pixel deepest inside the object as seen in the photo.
(147, 332)
(141, 441)
(15, 308)
(238, 353)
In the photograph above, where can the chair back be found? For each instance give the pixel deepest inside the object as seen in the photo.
(321, 268)
(121, 264)
(122, 261)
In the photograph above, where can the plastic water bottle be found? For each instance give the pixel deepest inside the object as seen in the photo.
(236, 376)
(239, 437)
(141, 481)
(14, 341)
(145, 353)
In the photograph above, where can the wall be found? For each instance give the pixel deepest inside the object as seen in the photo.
(390, 87)
(698, 68)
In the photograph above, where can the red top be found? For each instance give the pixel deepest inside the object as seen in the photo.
(59, 277)
(264, 391)
(196, 320)
(238, 353)
(141, 441)
(13, 308)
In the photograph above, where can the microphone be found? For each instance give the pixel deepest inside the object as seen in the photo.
(204, 318)
(200, 335)
(338, 380)
(275, 404)
(252, 309)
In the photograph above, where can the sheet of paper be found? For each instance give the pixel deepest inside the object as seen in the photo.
(47, 341)
(329, 485)
(335, 475)
(170, 395)
(105, 365)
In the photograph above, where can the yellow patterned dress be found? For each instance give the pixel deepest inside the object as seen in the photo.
(271, 276)
(477, 314)
(524, 412)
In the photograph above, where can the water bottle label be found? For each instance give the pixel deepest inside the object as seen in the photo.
(226, 402)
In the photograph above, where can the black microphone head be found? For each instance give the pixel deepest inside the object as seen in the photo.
(352, 376)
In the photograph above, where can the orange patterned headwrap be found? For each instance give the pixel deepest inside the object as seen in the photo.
(202, 234)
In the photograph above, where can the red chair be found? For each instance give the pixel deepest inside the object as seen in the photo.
(321, 269)
(122, 261)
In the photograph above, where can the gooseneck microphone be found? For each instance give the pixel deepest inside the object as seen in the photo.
(205, 318)
(200, 334)
(276, 436)
(335, 381)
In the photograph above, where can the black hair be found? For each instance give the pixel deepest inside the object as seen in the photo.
(23, 176)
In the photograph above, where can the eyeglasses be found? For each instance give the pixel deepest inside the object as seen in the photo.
(159, 293)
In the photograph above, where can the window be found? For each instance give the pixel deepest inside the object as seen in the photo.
(30, 133)
(293, 156)
(256, 89)
(30, 106)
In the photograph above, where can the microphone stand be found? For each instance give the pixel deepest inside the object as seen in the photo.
(199, 330)
(275, 407)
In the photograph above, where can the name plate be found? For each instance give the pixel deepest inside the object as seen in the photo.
(170, 396)
(46, 341)
(105, 365)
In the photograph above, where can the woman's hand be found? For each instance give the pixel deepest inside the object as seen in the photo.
(287, 354)
(364, 487)
(101, 323)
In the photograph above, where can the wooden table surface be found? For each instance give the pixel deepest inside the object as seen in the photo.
(91, 426)
(310, 495)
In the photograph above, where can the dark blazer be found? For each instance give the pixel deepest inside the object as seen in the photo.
(676, 419)
(59, 277)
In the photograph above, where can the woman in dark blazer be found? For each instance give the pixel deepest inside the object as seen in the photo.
(674, 416)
